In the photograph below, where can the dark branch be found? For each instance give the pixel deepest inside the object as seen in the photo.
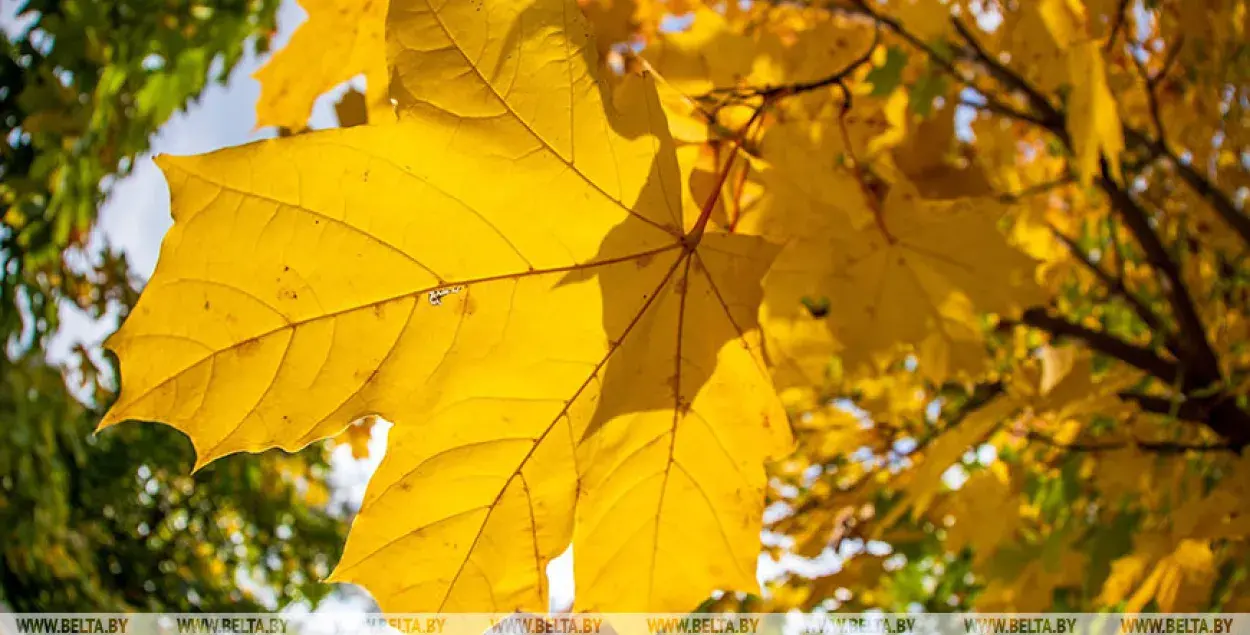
(861, 7)
(1215, 197)
(1051, 118)
(1117, 287)
(1105, 343)
(1033, 190)
(981, 395)
(1121, 16)
(1187, 410)
(1196, 349)
(1158, 447)
(835, 79)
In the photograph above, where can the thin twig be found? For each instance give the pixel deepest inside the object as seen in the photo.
(1192, 335)
(1034, 190)
(874, 204)
(1051, 118)
(981, 395)
(1158, 447)
(836, 79)
(1121, 16)
(1116, 286)
(771, 94)
(1216, 198)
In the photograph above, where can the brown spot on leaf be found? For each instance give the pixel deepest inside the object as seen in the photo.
(247, 347)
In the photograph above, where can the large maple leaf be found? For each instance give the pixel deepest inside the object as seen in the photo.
(508, 275)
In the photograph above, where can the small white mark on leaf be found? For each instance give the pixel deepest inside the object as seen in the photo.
(436, 296)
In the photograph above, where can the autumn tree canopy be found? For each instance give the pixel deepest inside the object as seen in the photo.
(960, 281)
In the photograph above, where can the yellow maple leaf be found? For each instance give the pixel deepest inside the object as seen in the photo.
(984, 513)
(918, 277)
(614, 21)
(801, 44)
(340, 40)
(928, 19)
(1064, 19)
(708, 55)
(1036, 57)
(924, 157)
(1179, 579)
(790, 45)
(508, 275)
(920, 485)
(805, 161)
(1093, 122)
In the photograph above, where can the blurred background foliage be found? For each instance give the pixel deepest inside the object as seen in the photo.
(116, 521)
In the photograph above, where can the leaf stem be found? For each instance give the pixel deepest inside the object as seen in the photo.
(696, 232)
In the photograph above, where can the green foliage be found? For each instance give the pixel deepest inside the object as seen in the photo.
(886, 77)
(81, 92)
(113, 522)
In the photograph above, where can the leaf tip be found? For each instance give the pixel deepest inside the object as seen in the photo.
(202, 459)
(337, 576)
(110, 419)
(164, 162)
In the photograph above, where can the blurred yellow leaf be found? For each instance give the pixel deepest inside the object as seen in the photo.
(920, 485)
(915, 278)
(1093, 122)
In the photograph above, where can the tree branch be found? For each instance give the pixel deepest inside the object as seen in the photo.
(1052, 119)
(981, 395)
(1121, 16)
(1192, 337)
(1158, 447)
(834, 79)
(1198, 361)
(1035, 189)
(1117, 287)
(1105, 343)
(1218, 412)
(861, 7)
(1202, 186)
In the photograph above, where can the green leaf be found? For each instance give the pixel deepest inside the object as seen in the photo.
(886, 78)
(929, 87)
